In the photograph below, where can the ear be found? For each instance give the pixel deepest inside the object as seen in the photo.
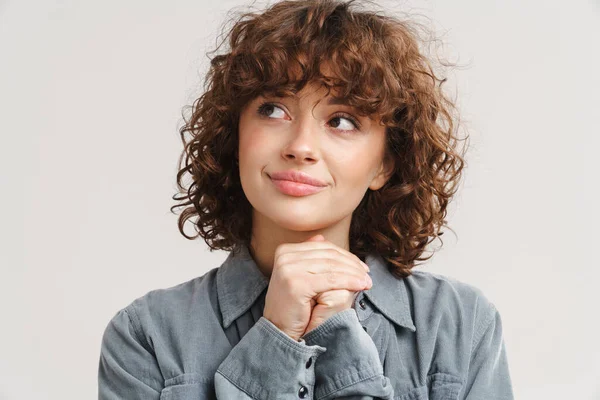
(384, 173)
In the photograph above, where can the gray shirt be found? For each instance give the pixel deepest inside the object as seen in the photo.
(424, 337)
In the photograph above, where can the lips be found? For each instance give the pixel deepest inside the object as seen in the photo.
(297, 176)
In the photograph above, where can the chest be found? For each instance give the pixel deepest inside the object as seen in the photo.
(420, 365)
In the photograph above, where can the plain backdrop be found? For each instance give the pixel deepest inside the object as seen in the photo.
(90, 102)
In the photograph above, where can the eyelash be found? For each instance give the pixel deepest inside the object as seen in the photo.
(262, 106)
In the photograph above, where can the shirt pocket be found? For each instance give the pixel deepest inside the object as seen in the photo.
(440, 386)
(188, 386)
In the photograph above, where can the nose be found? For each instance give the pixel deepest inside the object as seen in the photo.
(303, 145)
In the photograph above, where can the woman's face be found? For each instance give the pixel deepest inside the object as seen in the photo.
(330, 142)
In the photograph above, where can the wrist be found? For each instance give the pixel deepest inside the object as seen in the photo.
(294, 336)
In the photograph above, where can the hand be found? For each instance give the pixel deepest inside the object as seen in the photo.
(302, 271)
(330, 303)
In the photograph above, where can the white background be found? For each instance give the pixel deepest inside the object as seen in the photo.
(90, 101)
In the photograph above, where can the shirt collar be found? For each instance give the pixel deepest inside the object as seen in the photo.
(240, 282)
(388, 293)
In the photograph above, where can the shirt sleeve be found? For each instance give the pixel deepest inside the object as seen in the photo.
(488, 376)
(351, 368)
(128, 368)
(267, 364)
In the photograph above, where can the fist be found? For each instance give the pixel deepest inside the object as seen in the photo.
(328, 303)
(301, 273)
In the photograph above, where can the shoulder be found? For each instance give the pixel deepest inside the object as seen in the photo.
(177, 298)
(169, 307)
(167, 328)
(423, 282)
(449, 298)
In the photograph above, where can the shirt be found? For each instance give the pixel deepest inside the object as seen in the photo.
(423, 337)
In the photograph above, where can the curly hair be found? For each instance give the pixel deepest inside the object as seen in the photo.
(376, 67)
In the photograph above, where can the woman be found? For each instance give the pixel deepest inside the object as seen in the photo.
(323, 157)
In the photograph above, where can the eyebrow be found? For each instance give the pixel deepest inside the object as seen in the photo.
(331, 101)
(334, 101)
(341, 101)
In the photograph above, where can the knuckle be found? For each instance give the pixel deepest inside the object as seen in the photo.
(283, 258)
(331, 278)
(281, 249)
(329, 266)
(360, 281)
(284, 272)
(332, 252)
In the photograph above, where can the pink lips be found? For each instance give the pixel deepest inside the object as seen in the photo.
(296, 183)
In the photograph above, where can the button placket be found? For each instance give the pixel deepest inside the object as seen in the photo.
(302, 392)
(362, 308)
(362, 304)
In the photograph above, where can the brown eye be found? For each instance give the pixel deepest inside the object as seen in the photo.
(344, 123)
(265, 109)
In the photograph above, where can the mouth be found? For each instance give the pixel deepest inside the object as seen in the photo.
(297, 176)
(297, 189)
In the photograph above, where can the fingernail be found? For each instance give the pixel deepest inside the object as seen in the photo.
(368, 269)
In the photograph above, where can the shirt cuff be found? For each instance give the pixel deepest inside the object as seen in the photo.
(267, 363)
(351, 365)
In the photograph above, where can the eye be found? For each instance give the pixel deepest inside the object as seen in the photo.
(340, 121)
(265, 109)
(345, 122)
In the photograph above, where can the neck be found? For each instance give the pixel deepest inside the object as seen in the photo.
(267, 235)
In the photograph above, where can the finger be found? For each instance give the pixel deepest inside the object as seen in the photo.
(334, 281)
(310, 245)
(332, 254)
(324, 266)
(300, 269)
(318, 237)
(326, 252)
(328, 274)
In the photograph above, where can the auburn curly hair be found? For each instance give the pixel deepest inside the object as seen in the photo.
(377, 68)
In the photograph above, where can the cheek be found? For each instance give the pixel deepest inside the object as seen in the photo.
(252, 144)
(363, 161)
(253, 153)
(354, 166)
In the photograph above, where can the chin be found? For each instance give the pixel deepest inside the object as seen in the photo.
(300, 222)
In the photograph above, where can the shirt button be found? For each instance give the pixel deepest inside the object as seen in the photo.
(362, 304)
(309, 362)
(302, 392)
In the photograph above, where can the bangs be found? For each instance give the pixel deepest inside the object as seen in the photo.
(343, 52)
